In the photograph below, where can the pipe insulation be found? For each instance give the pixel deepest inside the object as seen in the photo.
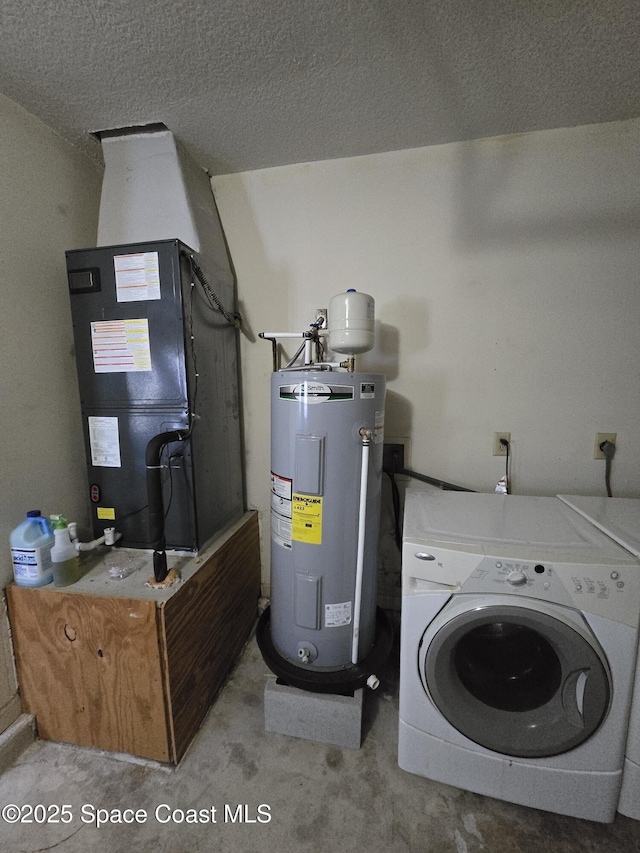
(362, 522)
(154, 496)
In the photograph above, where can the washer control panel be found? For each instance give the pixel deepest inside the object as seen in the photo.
(504, 576)
(603, 590)
(516, 578)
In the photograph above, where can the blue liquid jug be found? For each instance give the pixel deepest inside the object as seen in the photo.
(31, 544)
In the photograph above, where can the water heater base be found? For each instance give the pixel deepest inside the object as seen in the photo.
(320, 717)
(342, 682)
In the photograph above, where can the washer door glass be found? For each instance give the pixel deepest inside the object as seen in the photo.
(517, 681)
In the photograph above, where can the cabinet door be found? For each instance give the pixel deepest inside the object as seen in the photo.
(89, 669)
(205, 625)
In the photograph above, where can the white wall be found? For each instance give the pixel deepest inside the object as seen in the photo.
(506, 278)
(49, 196)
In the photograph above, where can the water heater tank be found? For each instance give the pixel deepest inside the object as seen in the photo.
(350, 320)
(316, 466)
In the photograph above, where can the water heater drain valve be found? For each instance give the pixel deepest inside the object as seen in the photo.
(307, 652)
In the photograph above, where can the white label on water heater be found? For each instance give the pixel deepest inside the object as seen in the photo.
(281, 493)
(281, 530)
(336, 615)
(378, 435)
(137, 277)
(367, 390)
(105, 442)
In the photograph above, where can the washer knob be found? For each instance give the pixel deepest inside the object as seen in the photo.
(516, 578)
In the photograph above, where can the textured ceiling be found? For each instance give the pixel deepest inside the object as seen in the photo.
(247, 84)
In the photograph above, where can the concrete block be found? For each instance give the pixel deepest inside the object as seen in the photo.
(320, 717)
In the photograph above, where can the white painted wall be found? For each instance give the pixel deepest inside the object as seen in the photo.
(506, 278)
(49, 195)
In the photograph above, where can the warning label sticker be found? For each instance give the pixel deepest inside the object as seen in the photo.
(281, 530)
(367, 390)
(104, 440)
(137, 277)
(336, 615)
(306, 519)
(120, 346)
(281, 489)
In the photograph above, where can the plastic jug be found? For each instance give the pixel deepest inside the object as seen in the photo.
(64, 557)
(31, 544)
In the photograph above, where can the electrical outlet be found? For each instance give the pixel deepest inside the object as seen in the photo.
(393, 457)
(397, 452)
(500, 449)
(600, 437)
(322, 312)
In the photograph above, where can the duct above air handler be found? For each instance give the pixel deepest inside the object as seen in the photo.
(146, 304)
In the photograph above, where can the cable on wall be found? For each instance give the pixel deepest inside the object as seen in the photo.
(608, 449)
(505, 444)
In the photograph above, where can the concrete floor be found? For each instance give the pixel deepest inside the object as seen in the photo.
(316, 797)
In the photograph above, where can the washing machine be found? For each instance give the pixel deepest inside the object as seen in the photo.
(519, 635)
(619, 518)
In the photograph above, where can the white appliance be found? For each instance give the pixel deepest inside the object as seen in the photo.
(518, 644)
(619, 518)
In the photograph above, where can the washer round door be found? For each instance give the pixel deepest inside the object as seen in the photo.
(516, 680)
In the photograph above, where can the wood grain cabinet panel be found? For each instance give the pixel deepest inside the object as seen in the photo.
(127, 669)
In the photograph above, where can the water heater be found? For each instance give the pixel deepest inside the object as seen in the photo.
(322, 631)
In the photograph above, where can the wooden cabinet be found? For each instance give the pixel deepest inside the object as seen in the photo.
(116, 665)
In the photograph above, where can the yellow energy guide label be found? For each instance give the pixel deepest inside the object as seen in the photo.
(306, 520)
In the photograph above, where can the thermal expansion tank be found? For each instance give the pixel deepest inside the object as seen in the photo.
(316, 463)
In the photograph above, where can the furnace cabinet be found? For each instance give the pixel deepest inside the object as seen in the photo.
(154, 354)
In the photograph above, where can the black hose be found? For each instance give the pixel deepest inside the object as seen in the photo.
(395, 497)
(608, 449)
(153, 453)
(442, 484)
(395, 493)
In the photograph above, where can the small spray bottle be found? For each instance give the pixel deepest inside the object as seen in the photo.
(64, 557)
